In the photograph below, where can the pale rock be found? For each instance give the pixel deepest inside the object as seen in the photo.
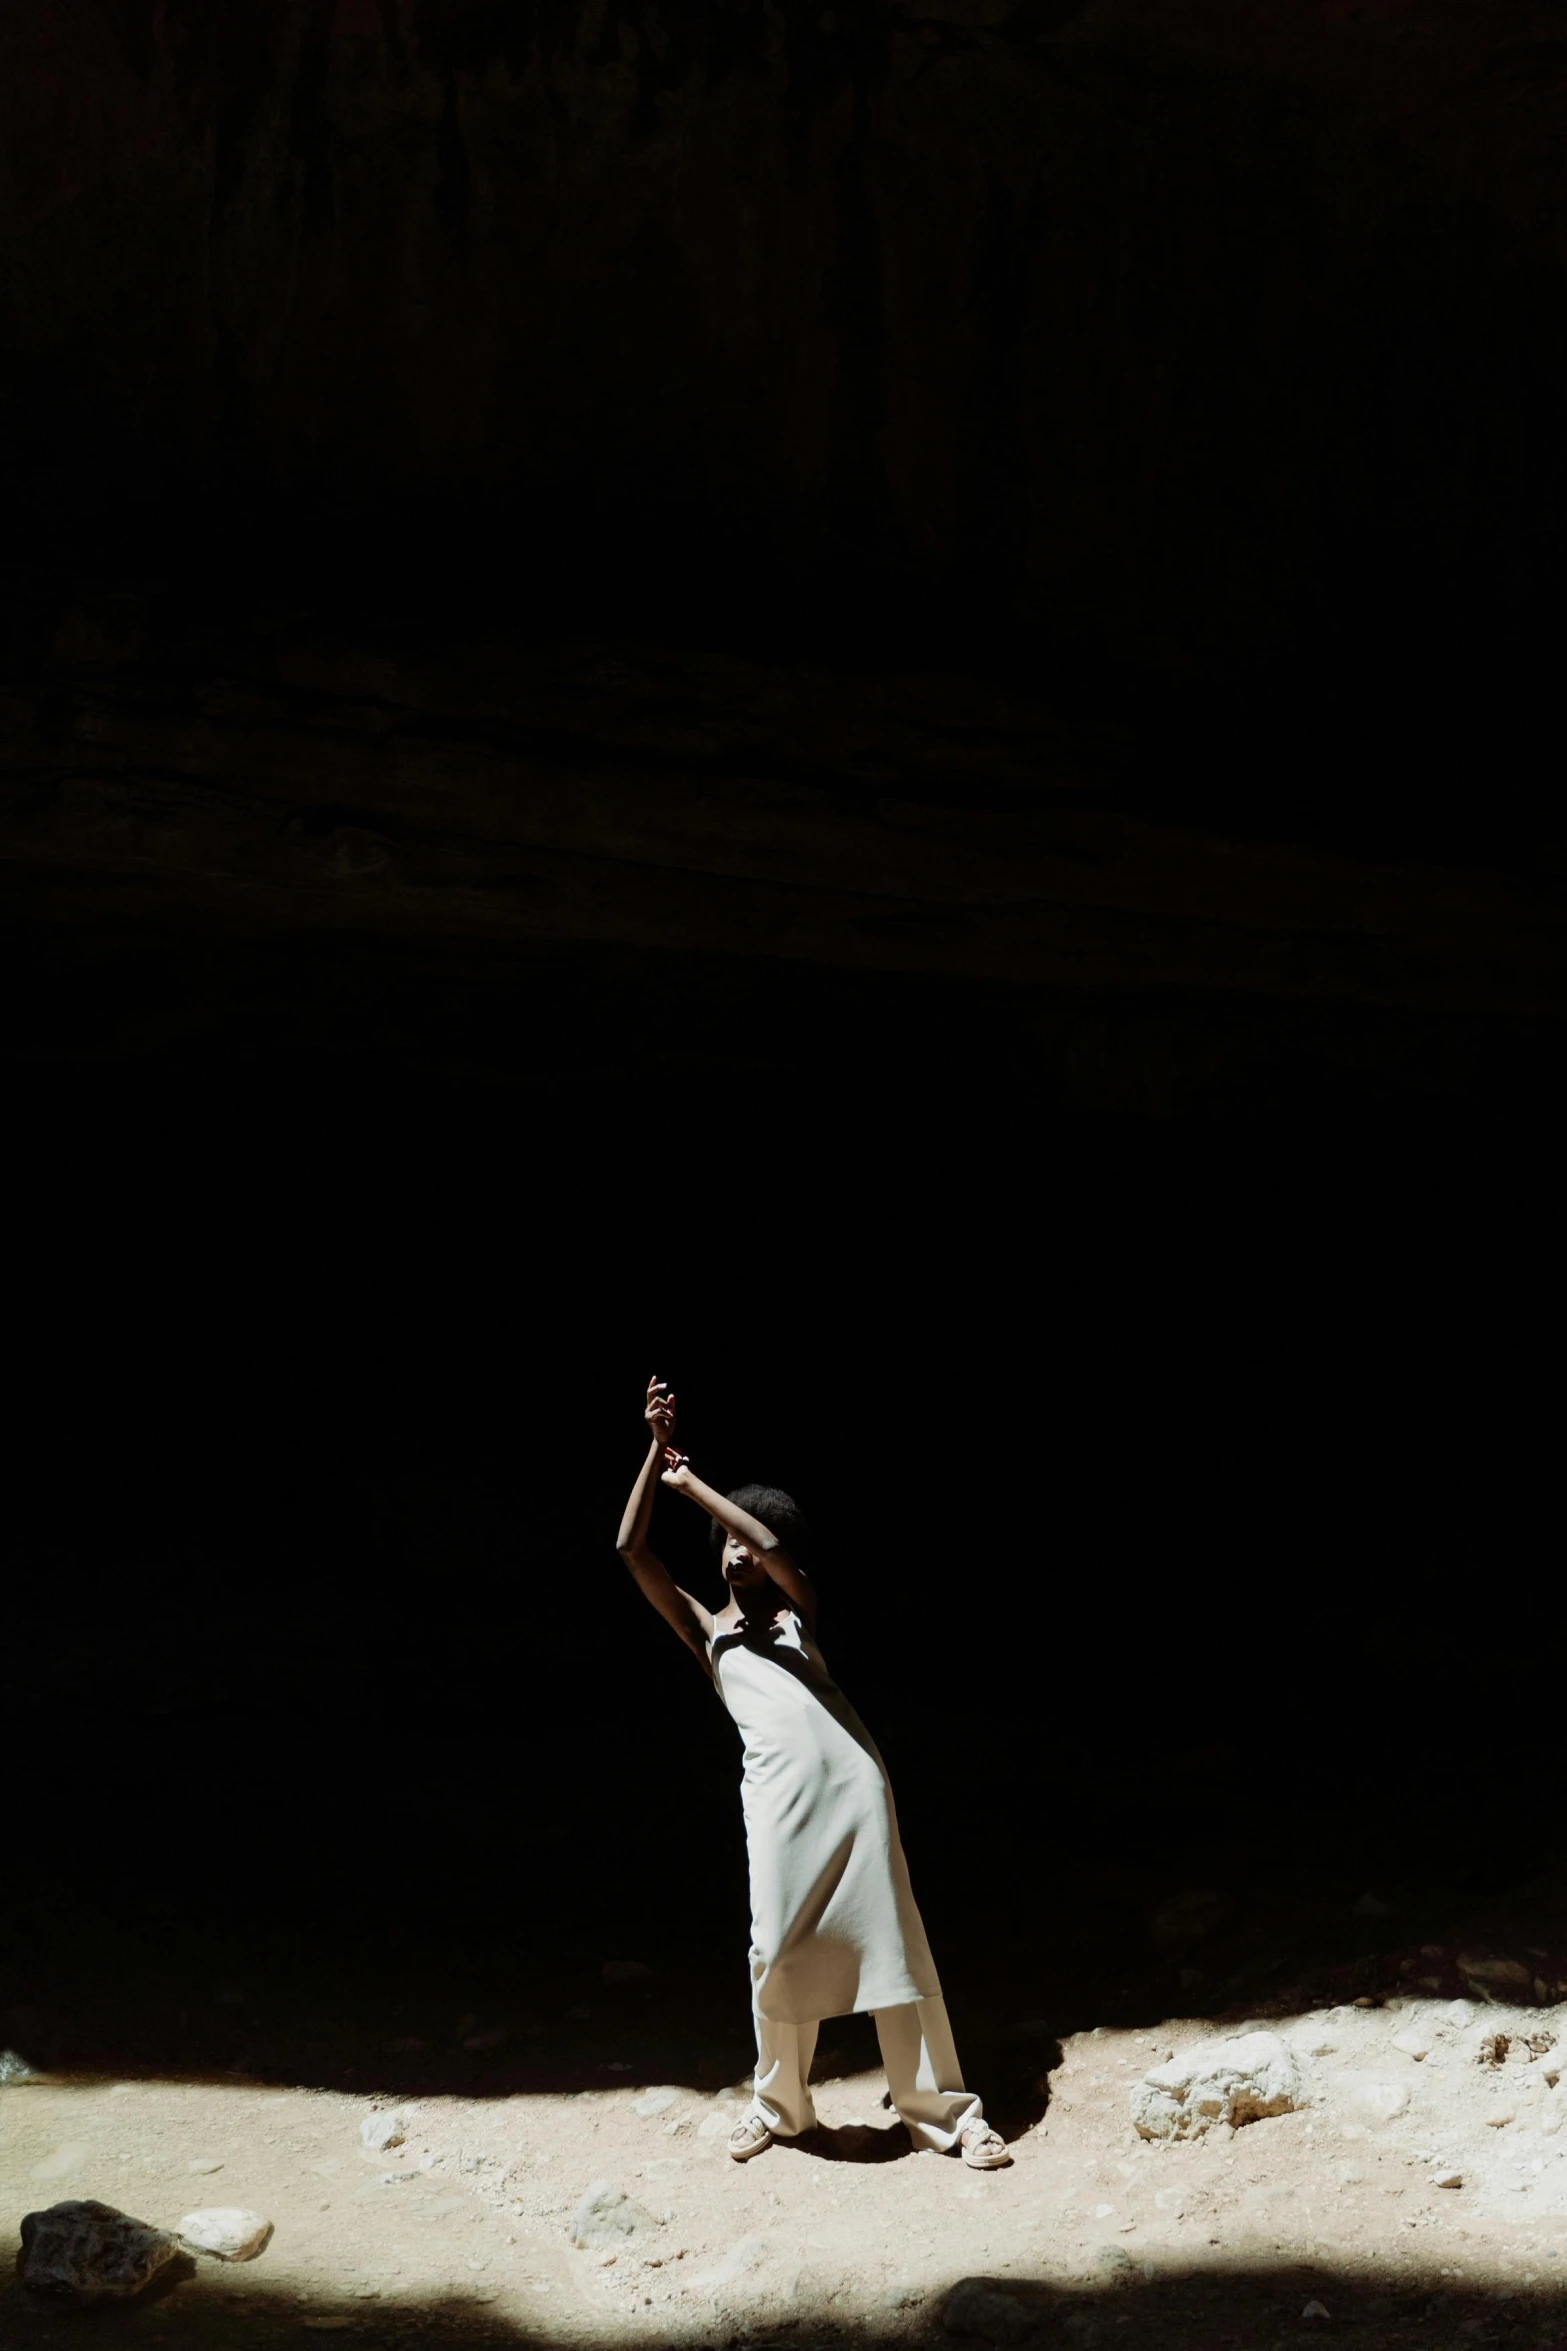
(1379, 2101)
(205, 2163)
(1217, 2084)
(976, 2307)
(15, 2069)
(1460, 2013)
(1416, 2039)
(654, 2101)
(720, 2120)
(227, 2232)
(743, 2256)
(606, 2217)
(902, 2297)
(379, 2131)
(88, 2252)
(1316, 2310)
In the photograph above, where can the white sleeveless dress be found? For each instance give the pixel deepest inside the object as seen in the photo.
(834, 1927)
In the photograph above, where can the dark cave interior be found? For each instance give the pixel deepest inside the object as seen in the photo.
(863, 704)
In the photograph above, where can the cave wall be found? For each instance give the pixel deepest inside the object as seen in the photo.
(1174, 328)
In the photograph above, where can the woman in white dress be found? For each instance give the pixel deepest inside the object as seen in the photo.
(834, 1927)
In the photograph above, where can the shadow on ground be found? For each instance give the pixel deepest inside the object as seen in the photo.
(1198, 2307)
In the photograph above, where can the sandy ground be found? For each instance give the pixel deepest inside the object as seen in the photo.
(464, 2228)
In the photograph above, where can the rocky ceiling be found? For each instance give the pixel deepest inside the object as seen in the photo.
(1058, 504)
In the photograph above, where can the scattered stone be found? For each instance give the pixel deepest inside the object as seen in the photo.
(1451, 2179)
(976, 2307)
(1316, 2310)
(1217, 2083)
(227, 2232)
(205, 2163)
(1490, 1976)
(606, 2217)
(654, 2101)
(88, 2252)
(718, 2119)
(626, 1971)
(15, 2069)
(1115, 2263)
(1416, 2040)
(379, 2131)
(902, 2297)
(1103, 2211)
(1379, 2101)
(1460, 2013)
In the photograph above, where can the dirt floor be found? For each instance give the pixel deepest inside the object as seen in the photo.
(1095, 2233)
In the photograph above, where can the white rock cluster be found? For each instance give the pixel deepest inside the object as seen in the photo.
(1215, 2082)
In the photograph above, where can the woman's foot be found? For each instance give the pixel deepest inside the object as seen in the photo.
(749, 2136)
(982, 2148)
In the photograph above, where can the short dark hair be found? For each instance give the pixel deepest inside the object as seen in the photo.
(778, 1512)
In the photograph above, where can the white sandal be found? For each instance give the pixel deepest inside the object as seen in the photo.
(983, 2148)
(749, 2136)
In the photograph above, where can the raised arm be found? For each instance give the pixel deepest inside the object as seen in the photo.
(687, 1616)
(761, 1540)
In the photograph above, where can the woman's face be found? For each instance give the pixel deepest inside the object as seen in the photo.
(743, 1571)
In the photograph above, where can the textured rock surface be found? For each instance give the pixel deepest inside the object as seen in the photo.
(227, 2231)
(606, 2217)
(378, 2132)
(936, 292)
(796, 859)
(89, 2252)
(1234, 2082)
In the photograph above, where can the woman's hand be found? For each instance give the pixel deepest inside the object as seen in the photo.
(677, 1468)
(660, 1413)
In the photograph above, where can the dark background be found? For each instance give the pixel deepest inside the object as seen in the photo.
(1128, 438)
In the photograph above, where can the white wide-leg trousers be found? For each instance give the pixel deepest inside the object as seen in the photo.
(923, 2074)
